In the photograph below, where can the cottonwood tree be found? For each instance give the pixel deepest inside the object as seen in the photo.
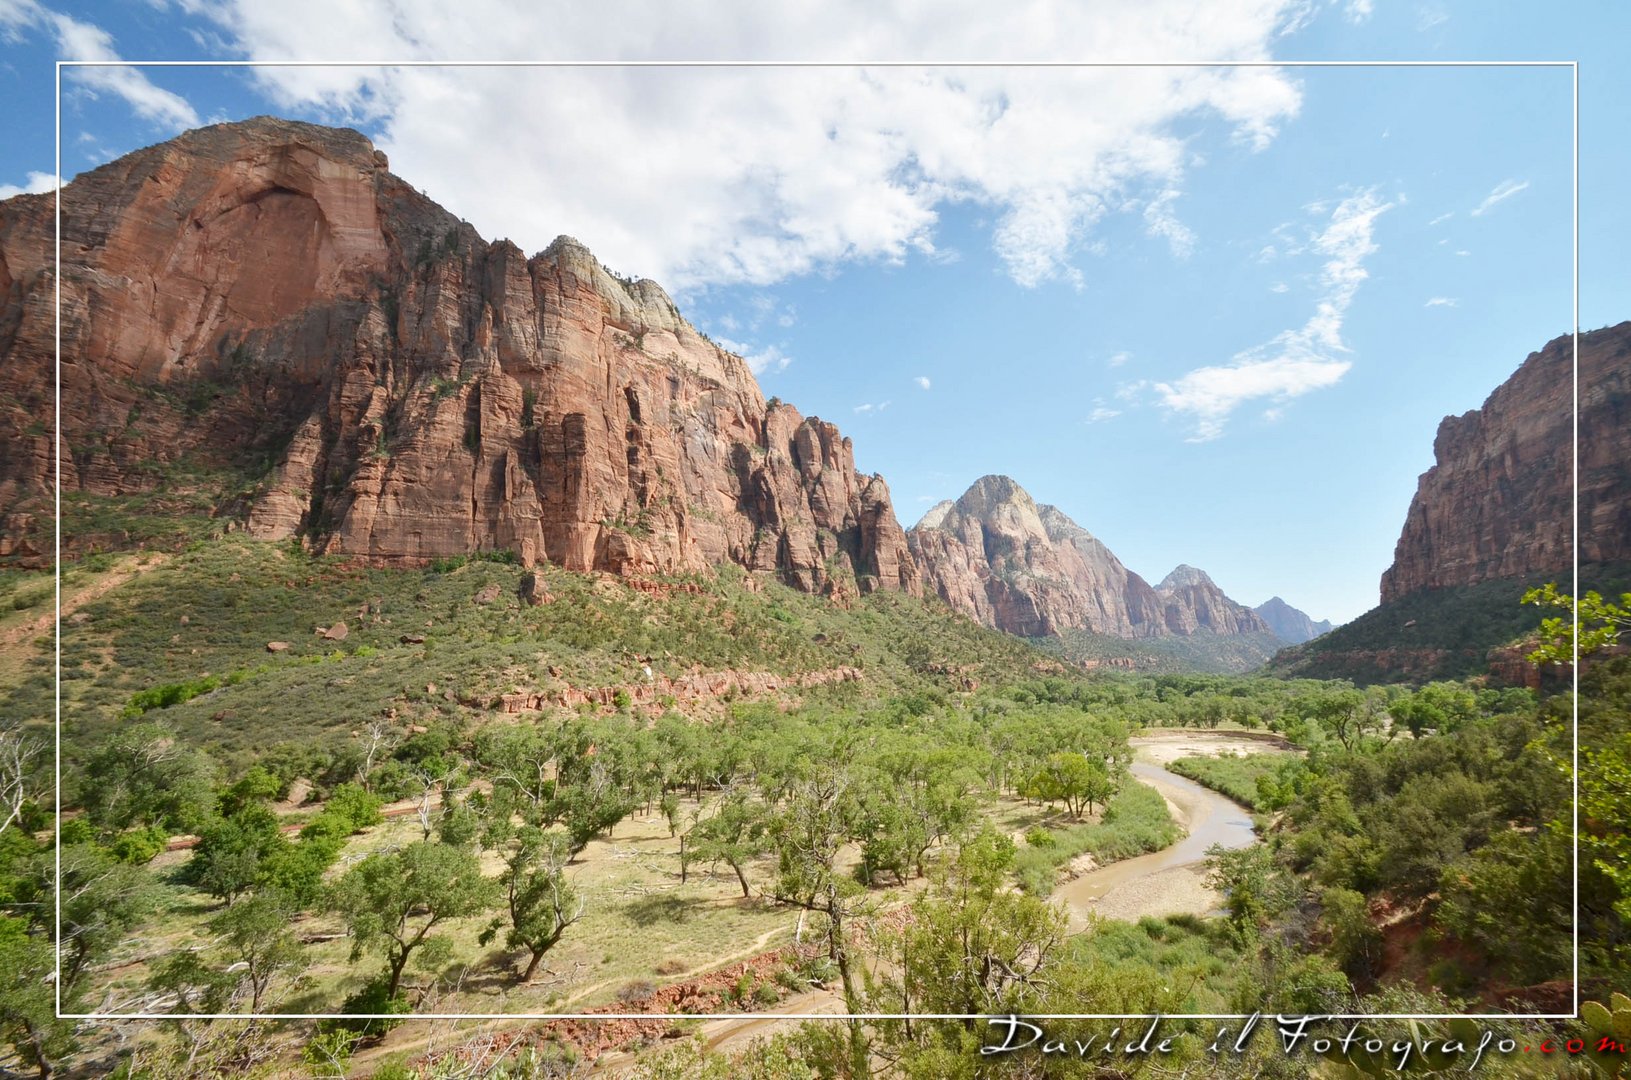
(735, 834)
(1071, 778)
(22, 775)
(973, 946)
(260, 946)
(141, 775)
(391, 902)
(807, 831)
(541, 903)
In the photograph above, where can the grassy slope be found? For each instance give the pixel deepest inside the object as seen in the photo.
(1453, 631)
(213, 608)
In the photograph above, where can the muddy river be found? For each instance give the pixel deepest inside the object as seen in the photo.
(1170, 881)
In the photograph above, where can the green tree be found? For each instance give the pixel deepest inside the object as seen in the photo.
(541, 903)
(259, 943)
(28, 1010)
(735, 834)
(141, 775)
(391, 902)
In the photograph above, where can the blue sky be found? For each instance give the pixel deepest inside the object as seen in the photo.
(1213, 315)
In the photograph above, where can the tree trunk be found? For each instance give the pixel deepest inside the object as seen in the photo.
(747, 894)
(532, 968)
(397, 964)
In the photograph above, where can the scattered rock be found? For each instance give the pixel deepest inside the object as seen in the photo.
(533, 591)
(80, 618)
(412, 639)
(417, 729)
(185, 620)
(337, 632)
(277, 646)
(488, 594)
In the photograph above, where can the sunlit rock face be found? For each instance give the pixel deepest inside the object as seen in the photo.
(268, 296)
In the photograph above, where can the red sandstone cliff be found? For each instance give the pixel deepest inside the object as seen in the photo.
(1498, 501)
(269, 291)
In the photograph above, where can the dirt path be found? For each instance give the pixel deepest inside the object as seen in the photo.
(72, 602)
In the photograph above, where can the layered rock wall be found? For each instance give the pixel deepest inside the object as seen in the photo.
(266, 297)
(1498, 502)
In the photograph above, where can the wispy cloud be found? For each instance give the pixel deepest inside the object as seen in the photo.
(78, 40)
(1446, 216)
(1442, 301)
(869, 407)
(1296, 361)
(1118, 359)
(922, 382)
(1359, 10)
(1101, 412)
(1160, 221)
(1279, 287)
(1503, 191)
(36, 183)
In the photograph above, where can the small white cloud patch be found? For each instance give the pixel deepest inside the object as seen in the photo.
(922, 382)
(36, 184)
(1442, 301)
(1503, 191)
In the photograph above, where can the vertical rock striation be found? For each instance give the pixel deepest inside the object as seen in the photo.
(266, 297)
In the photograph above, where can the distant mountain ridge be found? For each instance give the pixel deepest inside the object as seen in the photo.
(1290, 625)
(1027, 568)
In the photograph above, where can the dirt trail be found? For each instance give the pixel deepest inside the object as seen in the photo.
(71, 602)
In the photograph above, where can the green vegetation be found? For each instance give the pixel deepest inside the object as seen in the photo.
(1213, 653)
(1257, 781)
(1135, 821)
(1449, 632)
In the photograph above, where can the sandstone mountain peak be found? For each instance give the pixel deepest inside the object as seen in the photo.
(1029, 569)
(268, 291)
(1184, 576)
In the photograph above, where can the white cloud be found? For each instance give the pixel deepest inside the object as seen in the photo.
(1119, 359)
(1279, 287)
(861, 410)
(922, 382)
(78, 40)
(1102, 412)
(1130, 391)
(1463, 251)
(1296, 361)
(1442, 301)
(1442, 217)
(1160, 221)
(759, 361)
(1359, 10)
(1503, 191)
(715, 176)
(36, 183)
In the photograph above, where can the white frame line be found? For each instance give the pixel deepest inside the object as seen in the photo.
(1572, 65)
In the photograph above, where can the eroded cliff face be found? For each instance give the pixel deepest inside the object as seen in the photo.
(268, 294)
(1498, 503)
(1026, 568)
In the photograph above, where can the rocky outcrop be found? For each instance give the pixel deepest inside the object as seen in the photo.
(1026, 568)
(1289, 624)
(1498, 502)
(267, 297)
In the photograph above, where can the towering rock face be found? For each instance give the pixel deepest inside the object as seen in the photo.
(268, 291)
(1289, 624)
(1498, 502)
(1030, 570)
